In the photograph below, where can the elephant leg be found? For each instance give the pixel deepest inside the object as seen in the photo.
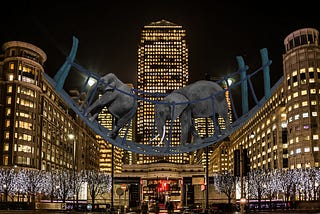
(106, 99)
(186, 124)
(122, 121)
(193, 130)
(92, 118)
(114, 132)
(217, 129)
(93, 106)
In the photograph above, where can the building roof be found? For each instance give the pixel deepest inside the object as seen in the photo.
(162, 24)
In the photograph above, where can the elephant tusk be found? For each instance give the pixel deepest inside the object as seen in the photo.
(164, 132)
(154, 138)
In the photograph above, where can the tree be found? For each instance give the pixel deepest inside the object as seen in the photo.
(65, 184)
(225, 183)
(31, 182)
(258, 184)
(98, 183)
(79, 179)
(7, 185)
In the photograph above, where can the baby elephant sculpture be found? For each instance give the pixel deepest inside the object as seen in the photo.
(196, 100)
(116, 96)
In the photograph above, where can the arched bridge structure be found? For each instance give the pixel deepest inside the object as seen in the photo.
(244, 82)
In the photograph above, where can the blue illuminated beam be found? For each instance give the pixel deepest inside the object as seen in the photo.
(64, 70)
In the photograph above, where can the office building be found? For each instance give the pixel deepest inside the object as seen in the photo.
(284, 132)
(36, 124)
(162, 68)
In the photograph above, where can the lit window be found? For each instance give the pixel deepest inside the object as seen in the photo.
(304, 103)
(315, 137)
(314, 114)
(304, 92)
(294, 73)
(8, 100)
(307, 149)
(305, 115)
(298, 150)
(316, 149)
(313, 102)
(291, 152)
(284, 124)
(296, 117)
(295, 94)
(10, 77)
(313, 91)
(9, 89)
(11, 65)
(8, 111)
(311, 69)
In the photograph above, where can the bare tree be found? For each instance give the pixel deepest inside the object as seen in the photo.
(225, 183)
(7, 185)
(32, 183)
(65, 183)
(98, 183)
(78, 180)
(258, 184)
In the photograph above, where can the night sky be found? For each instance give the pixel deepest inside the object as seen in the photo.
(109, 32)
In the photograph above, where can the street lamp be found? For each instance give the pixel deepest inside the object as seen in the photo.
(72, 137)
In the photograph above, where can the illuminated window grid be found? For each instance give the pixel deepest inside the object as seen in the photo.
(162, 68)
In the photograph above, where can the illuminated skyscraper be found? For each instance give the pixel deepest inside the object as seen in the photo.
(301, 67)
(162, 68)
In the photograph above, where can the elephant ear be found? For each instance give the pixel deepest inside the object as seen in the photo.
(111, 80)
(178, 104)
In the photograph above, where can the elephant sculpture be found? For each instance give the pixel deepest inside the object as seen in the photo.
(116, 96)
(201, 99)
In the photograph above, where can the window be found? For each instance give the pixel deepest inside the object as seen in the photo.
(9, 89)
(5, 160)
(313, 91)
(11, 66)
(10, 77)
(9, 100)
(8, 111)
(304, 92)
(6, 147)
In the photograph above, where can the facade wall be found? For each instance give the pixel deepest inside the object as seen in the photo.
(284, 132)
(162, 68)
(36, 126)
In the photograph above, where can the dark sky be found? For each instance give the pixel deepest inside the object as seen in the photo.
(109, 31)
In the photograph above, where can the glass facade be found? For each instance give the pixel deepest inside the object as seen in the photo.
(36, 122)
(162, 68)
